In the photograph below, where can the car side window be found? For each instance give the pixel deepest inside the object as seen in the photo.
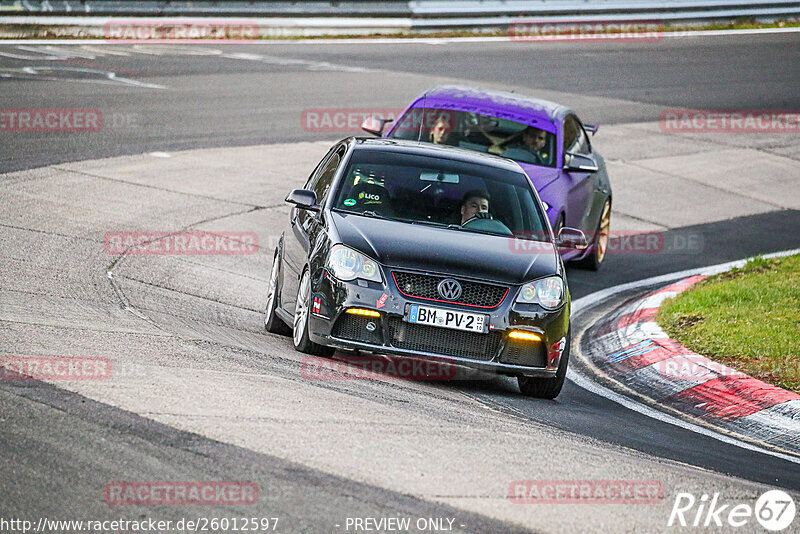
(321, 178)
(582, 142)
(312, 179)
(326, 174)
(569, 134)
(575, 139)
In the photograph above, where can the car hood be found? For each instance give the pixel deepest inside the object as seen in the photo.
(540, 177)
(441, 250)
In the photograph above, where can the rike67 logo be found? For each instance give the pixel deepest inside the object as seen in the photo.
(774, 510)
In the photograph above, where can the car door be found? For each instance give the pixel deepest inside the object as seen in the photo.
(599, 186)
(305, 225)
(580, 184)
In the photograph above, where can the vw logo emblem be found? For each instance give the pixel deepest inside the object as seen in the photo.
(449, 289)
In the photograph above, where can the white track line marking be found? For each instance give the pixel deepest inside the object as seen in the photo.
(588, 384)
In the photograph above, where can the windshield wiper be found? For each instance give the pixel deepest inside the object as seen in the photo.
(451, 227)
(375, 214)
(365, 213)
(428, 223)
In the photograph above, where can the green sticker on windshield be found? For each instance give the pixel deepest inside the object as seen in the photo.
(349, 202)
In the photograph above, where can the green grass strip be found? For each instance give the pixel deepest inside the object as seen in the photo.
(747, 318)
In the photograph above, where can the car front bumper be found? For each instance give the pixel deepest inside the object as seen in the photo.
(493, 351)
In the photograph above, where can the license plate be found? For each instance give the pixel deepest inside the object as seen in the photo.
(457, 320)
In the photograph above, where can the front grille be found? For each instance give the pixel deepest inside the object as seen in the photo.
(354, 328)
(473, 293)
(444, 341)
(524, 353)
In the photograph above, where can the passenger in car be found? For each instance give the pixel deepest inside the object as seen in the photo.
(532, 148)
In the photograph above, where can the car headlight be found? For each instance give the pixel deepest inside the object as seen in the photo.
(547, 292)
(347, 264)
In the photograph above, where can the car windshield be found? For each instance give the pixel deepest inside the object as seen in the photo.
(441, 192)
(482, 133)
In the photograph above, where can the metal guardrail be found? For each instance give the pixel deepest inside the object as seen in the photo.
(415, 9)
(206, 8)
(281, 18)
(443, 8)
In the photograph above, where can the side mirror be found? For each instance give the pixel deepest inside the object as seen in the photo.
(572, 238)
(375, 125)
(303, 198)
(579, 163)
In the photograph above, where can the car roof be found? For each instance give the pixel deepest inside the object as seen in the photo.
(510, 105)
(437, 151)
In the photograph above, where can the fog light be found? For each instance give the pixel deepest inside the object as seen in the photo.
(524, 336)
(363, 312)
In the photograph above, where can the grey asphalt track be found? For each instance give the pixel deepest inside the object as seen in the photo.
(218, 101)
(60, 450)
(65, 446)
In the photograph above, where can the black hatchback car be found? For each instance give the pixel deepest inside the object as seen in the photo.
(416, 250)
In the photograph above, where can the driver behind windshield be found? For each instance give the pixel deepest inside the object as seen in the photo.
(475, 214)
(473, 203)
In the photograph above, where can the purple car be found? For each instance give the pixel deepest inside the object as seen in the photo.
(546, 139)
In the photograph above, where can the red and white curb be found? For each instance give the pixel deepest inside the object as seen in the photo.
(629, 347)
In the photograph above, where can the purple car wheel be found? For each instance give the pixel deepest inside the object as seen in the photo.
(602, 234)
(599, 245)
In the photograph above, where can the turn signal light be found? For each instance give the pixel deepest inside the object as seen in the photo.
(363, 312)
(524, 336)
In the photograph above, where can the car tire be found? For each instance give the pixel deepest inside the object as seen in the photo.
(273, 323)
(546, 388)
(599, 246)
(300, 338)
